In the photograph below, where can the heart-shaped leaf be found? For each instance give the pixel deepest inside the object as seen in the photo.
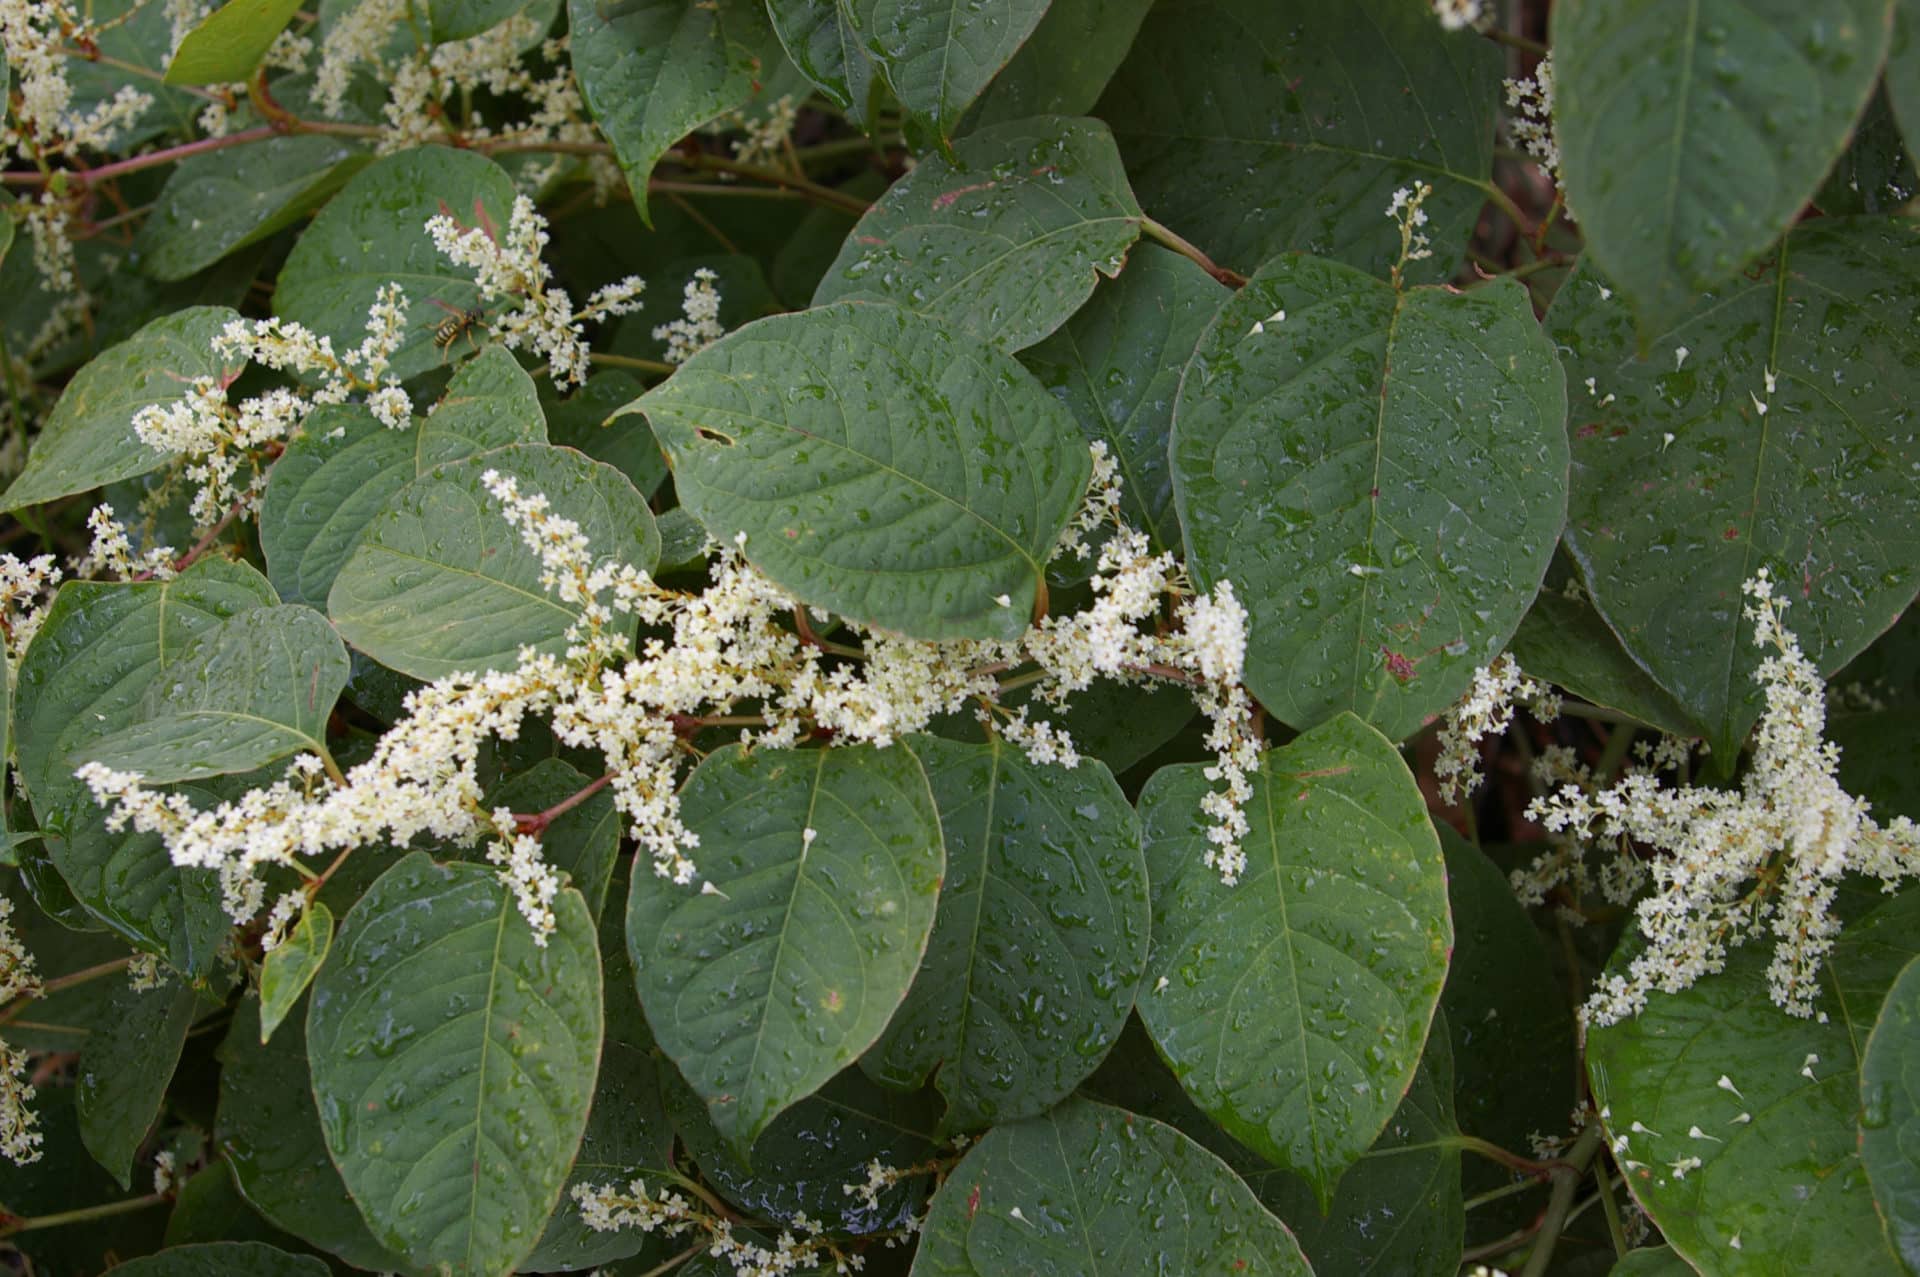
(937, 55)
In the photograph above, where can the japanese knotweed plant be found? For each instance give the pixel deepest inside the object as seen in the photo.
(968, 639)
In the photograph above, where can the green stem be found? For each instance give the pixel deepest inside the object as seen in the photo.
(1498, 1194)
(774, 177)
(1616, 1231)
(67, 981)
(1186, 248)
(84, 1213)
(1598, 713)
(1504, 202)
(1615, 751)
(676, 1261)
(1565, 1184)
(654, 366)
(1494, 1153)
(1513, 41)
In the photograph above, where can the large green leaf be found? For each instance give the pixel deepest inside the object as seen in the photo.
(267, 1129)
(100, 648)
(1777, 1141)
(937, 55)
(1066, 63)
(582, 421)
(216, 203)
(821, 42)
(88, 439)
(454, 1060)
(1116, 365)
(1691, 136)
(825, 867)
(1293, 1005)
(254, 689)
(1040, 938)
(652, 71)
(339, 472)
(1381, 474)
(1333, 107)
(1564, 640)
(1903, 69)
(880, 465)
(440, 582)
(224, 1259)
(1005, 240)
(125, 1067)
(462, 19)
(374, 233)
(1683, 488)
(228, 43)
(1101, 1192)
(1890, 1114)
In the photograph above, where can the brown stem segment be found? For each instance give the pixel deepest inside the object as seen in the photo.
(1186, 248)
(536, 823)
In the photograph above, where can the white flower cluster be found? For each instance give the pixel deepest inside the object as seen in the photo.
(763, 139)
(1405, 209)
(1486, 710)
(699, 325)
(217, 439)
(112, 551)
(1532, 122)
(543, 318)
(1736, 864)
(43, 123)
(19, 1125)
(605, 1208)
(709, 653)
(1461, 15)
(26, 588)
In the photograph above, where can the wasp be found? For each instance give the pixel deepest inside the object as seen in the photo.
(457, 324)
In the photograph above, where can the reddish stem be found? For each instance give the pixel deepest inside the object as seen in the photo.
(536, 823)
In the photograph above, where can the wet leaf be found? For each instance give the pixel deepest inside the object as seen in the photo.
(490, 403)
(269, 1133)
(582, 421)
(1382, 476)
(1116, 365)
(88, 440)
(289, 967)
(218, 203)
(1903, 68)
(224, 1259)
(451, 20)
(374, 232)
(441, 582)
(937, 55)
(881, 466)
(1293, 1004)
(228, 43)
(1689, 139)
(1564, 640)
(125, 1067)
(253, 689)
(767, 986)
(1098, 1191)
(820, 40)
(1039, 941)
(1333, 107)
(1063, 66)
(1683, 489)
(454, 1059)
(652, 71)
(1786, 1178)
(1890, 1114)
(1004, 241)
(1875, 174)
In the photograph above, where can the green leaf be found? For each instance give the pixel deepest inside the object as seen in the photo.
(1651, 1261)
(1381, 474)
(652, 71)
(881, 466)
(1098, 1191)
(583, 421)
(124, 1069)
(1786, 1179)
(1039, 941)
(65, 1174)
(373, 233)
(209, 1208)
(1691, 138)
(88, 439)
(683, 541)
(6, 228)
(583, 841)
(783, 975)
(441, 582)
(1293, 1005)
(1004, 241)
(1563, 639)
(1683, 489)
(1875, 174)
(1066, 63)
(290, 966)
(1333, 107)
(824, 1141)
(821, 42)
(937, 55)
(224, 1259)
(1116, 366)
(453, 1060)
(341, 470)
(269, 1132)
(1890, 1114)
(1903, 68)
(228, 43)
(451, 20)
(255, 688)
(218, 203)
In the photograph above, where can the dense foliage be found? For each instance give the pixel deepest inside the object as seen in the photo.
(967, 639)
